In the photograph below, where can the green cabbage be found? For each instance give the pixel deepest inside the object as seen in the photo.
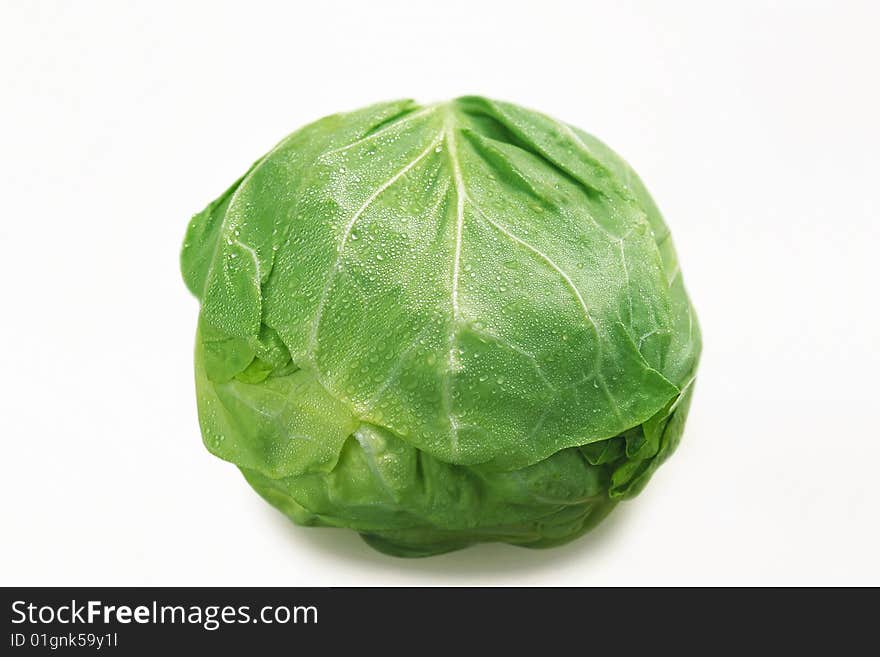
(439, 325)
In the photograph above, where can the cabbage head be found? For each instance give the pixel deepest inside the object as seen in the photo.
(441, 325)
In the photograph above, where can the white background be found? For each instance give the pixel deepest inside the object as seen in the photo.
(754, 124)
